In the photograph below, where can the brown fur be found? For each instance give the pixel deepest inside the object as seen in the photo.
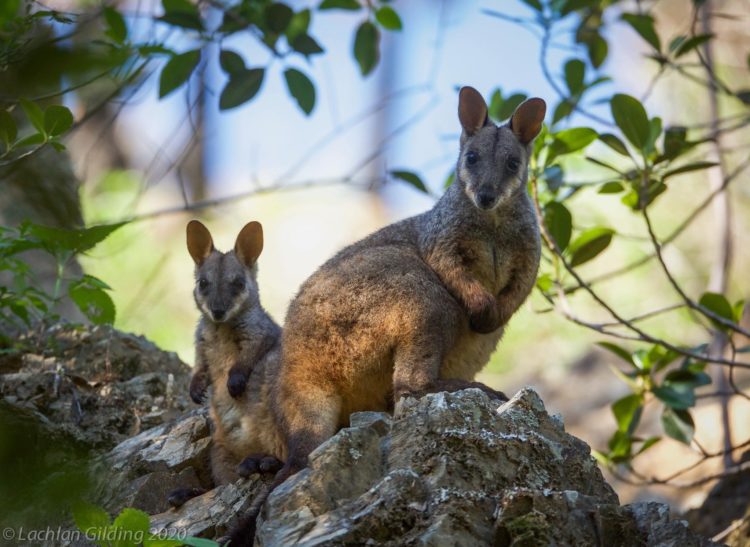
(419, 305)
(237, 352)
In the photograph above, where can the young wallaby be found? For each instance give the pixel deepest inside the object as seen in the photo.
(237, 347)
(418, 306)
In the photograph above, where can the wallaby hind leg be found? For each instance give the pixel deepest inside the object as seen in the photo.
(223, 464)
(416, 368)
(416, 365)
(311, 415)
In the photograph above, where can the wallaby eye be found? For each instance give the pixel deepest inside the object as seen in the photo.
(512, 165)
(238, 283)
(203, 283)
(472, 157)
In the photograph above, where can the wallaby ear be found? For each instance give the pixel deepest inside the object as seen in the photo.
(527, 120)
(249, 243)
(472, 110)
(199, 242)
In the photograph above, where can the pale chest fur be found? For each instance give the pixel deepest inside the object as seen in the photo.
(244, 425)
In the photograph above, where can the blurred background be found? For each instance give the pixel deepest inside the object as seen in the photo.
(319, 182)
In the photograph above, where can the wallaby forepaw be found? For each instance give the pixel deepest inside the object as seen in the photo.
(178, 497)
(237, 382)
(485, 320)
(258, 463)
(198, 386)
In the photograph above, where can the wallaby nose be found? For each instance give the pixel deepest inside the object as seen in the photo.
(485, 199)
(218, 313)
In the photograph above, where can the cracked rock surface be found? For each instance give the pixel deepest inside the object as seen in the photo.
(460, 469)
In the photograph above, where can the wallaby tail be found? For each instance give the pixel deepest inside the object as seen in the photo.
(243, 533)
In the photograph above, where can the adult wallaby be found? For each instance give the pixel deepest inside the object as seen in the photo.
(418, 306)
(237, 347)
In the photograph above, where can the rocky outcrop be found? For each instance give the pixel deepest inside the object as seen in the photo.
(446, 469)
(96, 385)
(459, 469)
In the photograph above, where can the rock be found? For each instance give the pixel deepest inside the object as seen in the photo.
(212, 514)
(459, 469)
(143, 470)
(726, 509)
(97, 385)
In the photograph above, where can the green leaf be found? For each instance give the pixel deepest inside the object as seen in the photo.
(643, 25)
(621, 352)
(116, 27)
(597, 49)
(34, 114)
(544, 282)
(718, 304)
(654, 126)
(509, 106)
(675, 141)
(620, 446)
(31, 140)
(568, 141)
(627, 412)
(231, 62)
(95, 303)
(352, 5)
(306, 44)
(678, 424)
(648, 443)
(575, 71)
(89, 518)
(449, 180)
(8, 130)
(301, 88)
(614, 143)
(388, 18)
(57, 240)
(563, 110)
(181, 13)
(695, 166)
(367, 47)
(630, 117)
(278, 16)
(637, 198)
(589, 244)
(559, 223)
(679, 399)
(241, 87)
(177, 71)
(133, 520)
(411, 178)
(299, 24)
(691, 43)
(738, 310)
(684, 379)
(57, 120)
(611, 187)
(8, 11)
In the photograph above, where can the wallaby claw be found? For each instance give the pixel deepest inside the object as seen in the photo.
(198, 387)
(237, 382)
